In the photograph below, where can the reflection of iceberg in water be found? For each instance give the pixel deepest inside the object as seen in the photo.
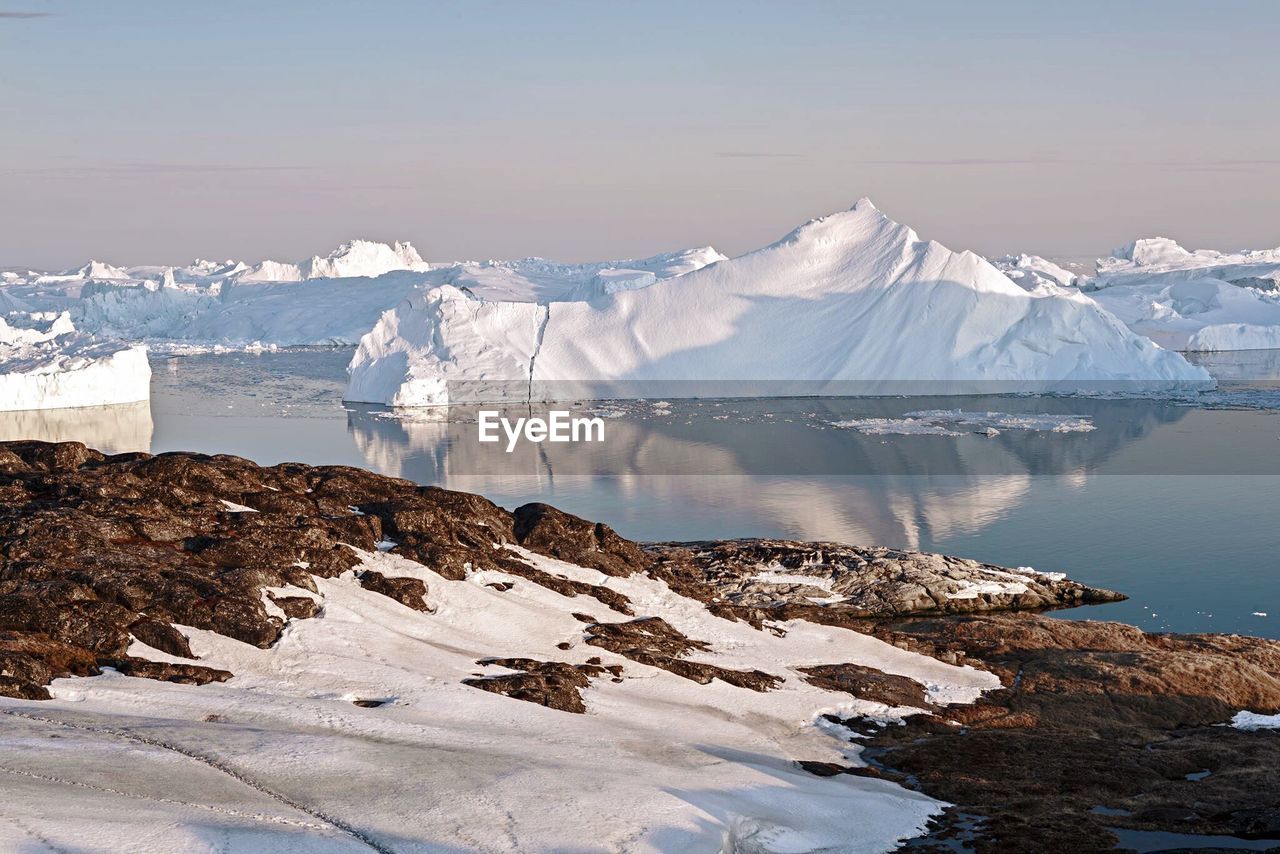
(701, 477)
(110, 429)
(756, 437)
(899, 511)
(904, 512)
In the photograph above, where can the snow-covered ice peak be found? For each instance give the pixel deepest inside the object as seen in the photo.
(93, 270)
(101, 270)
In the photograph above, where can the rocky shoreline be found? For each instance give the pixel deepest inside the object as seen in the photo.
(1096, 725)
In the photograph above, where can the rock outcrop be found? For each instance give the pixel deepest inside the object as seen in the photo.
(788, 579)
(1099, 726)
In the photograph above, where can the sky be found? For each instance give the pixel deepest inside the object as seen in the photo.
(152, 131)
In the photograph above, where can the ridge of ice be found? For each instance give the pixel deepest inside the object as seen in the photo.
(850, 297)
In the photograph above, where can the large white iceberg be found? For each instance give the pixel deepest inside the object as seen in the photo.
(56, 368)
(848, 303)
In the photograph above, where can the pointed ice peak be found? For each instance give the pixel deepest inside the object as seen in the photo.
(99, 270)
(861, 223)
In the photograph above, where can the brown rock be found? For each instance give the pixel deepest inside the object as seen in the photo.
(866, 683)
(548, 683)
(554, 533)
(654, 641)
(410, 592)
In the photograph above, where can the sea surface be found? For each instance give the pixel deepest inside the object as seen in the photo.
(1174, 502)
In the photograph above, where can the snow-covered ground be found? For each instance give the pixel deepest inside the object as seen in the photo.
(851, 298)
(279, 757)
(52, 366)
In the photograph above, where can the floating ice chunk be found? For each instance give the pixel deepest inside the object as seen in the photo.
(895, 426)
(1006, 420)
(945, 422)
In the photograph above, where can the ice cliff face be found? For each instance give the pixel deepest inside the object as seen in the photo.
(849, 303)
(57, 367)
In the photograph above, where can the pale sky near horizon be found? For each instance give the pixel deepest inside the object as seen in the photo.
(147, 131)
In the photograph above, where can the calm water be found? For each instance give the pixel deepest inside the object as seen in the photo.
(1174, 503)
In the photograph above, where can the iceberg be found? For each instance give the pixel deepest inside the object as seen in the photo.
(848, 303)
(1160, 259)
(58, 367)
(216, 305)
(353, 260)
(361, 258)
(1198, 314)
(91, 270)
(1201, 300)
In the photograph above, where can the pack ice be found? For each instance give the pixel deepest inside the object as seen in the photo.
(57, 367)
(329, 300)
(849, 303)
(1192, 300)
